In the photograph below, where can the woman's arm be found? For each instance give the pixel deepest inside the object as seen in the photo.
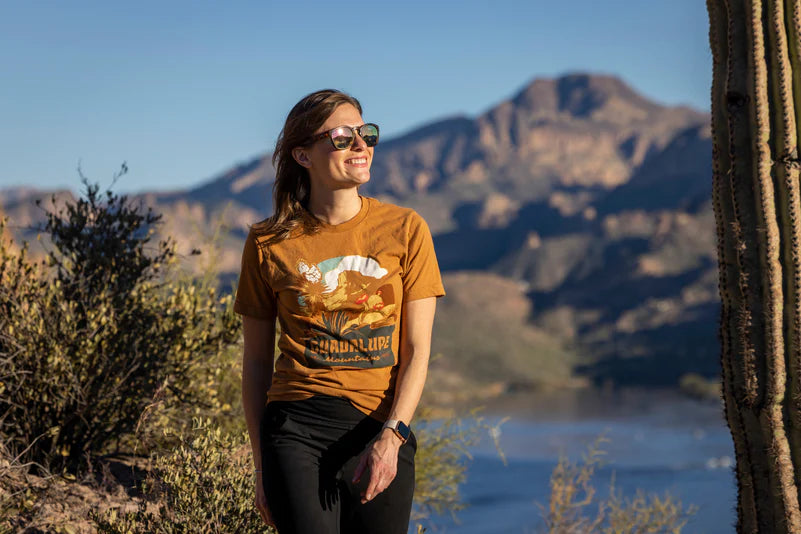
(257, 375)
(417, 321)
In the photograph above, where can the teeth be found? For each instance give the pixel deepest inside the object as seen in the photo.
(359, 160)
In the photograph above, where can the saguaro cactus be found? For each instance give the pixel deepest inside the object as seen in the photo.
(756, 103)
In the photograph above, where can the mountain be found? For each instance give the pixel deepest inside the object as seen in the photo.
(572, 222)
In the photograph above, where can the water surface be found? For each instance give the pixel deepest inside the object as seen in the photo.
(658, 441)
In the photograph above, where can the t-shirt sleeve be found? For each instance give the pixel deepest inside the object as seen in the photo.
(254, 296)
(421, 276)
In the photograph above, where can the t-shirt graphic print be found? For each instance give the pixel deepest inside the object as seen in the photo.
(355, 304)
(338, 296)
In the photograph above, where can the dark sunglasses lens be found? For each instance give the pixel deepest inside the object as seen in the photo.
(369, 133)
(342, 138)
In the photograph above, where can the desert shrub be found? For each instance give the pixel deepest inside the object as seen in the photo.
(90, 338)
(442, 459)
(440, 464)
(205, 484)
(210, 388)
(572, 492)
(213, 385)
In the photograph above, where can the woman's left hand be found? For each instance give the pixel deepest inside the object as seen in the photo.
(381, 457)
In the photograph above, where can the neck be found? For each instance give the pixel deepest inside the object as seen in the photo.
(335, 207)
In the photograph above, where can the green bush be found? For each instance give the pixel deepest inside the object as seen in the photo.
(88, 340)
(205, 484)
(213, 385)
(212, 390)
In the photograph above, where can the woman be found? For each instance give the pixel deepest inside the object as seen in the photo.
(353, 282)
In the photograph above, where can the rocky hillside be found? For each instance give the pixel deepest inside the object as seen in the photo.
(572, 222)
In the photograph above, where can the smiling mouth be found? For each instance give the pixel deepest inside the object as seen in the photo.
(356, 161)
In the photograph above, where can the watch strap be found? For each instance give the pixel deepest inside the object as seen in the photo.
(396, 425)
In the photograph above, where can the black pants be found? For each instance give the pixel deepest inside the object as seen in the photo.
(310, 450)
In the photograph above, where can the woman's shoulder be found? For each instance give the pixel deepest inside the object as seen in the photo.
(260, 231)
(385, 209)
(397, 216)
(261, 235)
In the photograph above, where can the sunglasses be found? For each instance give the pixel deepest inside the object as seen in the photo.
(343, 137)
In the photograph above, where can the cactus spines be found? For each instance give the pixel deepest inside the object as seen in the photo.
(756, 107)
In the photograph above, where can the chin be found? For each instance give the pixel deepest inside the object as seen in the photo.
(362, 179)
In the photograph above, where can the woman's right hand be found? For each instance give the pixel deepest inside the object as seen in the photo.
(261, 502)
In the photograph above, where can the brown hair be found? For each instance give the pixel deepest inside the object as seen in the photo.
(292, 186)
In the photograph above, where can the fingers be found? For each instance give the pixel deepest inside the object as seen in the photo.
(372, 488)
(381, 476)
(382, 463)
(264, 512)
(267, 516)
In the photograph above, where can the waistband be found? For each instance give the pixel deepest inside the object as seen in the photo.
(321, 409)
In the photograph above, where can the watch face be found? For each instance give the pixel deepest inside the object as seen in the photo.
(403, 430)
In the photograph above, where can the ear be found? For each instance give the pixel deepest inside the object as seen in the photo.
(302, 157)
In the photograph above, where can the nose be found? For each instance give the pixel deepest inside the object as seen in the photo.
(358, 143)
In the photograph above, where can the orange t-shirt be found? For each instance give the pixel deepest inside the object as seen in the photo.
(338, 295)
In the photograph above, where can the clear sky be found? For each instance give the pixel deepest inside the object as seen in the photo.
(184, 90)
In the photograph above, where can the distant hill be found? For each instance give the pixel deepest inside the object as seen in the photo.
(572, 222)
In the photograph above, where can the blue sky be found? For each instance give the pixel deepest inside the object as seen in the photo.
(182, 91)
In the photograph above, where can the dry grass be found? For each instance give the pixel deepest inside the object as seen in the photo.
(573, 494)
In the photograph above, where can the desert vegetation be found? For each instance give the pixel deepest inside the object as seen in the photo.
(755, 114)
(574, 495)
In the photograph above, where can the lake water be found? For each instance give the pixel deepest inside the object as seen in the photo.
(658, 441)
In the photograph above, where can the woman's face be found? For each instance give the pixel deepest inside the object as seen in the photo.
(337, 169)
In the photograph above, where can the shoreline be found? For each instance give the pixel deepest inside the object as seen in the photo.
(567, 404)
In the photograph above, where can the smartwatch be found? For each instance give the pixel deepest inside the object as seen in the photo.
(400, 429)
